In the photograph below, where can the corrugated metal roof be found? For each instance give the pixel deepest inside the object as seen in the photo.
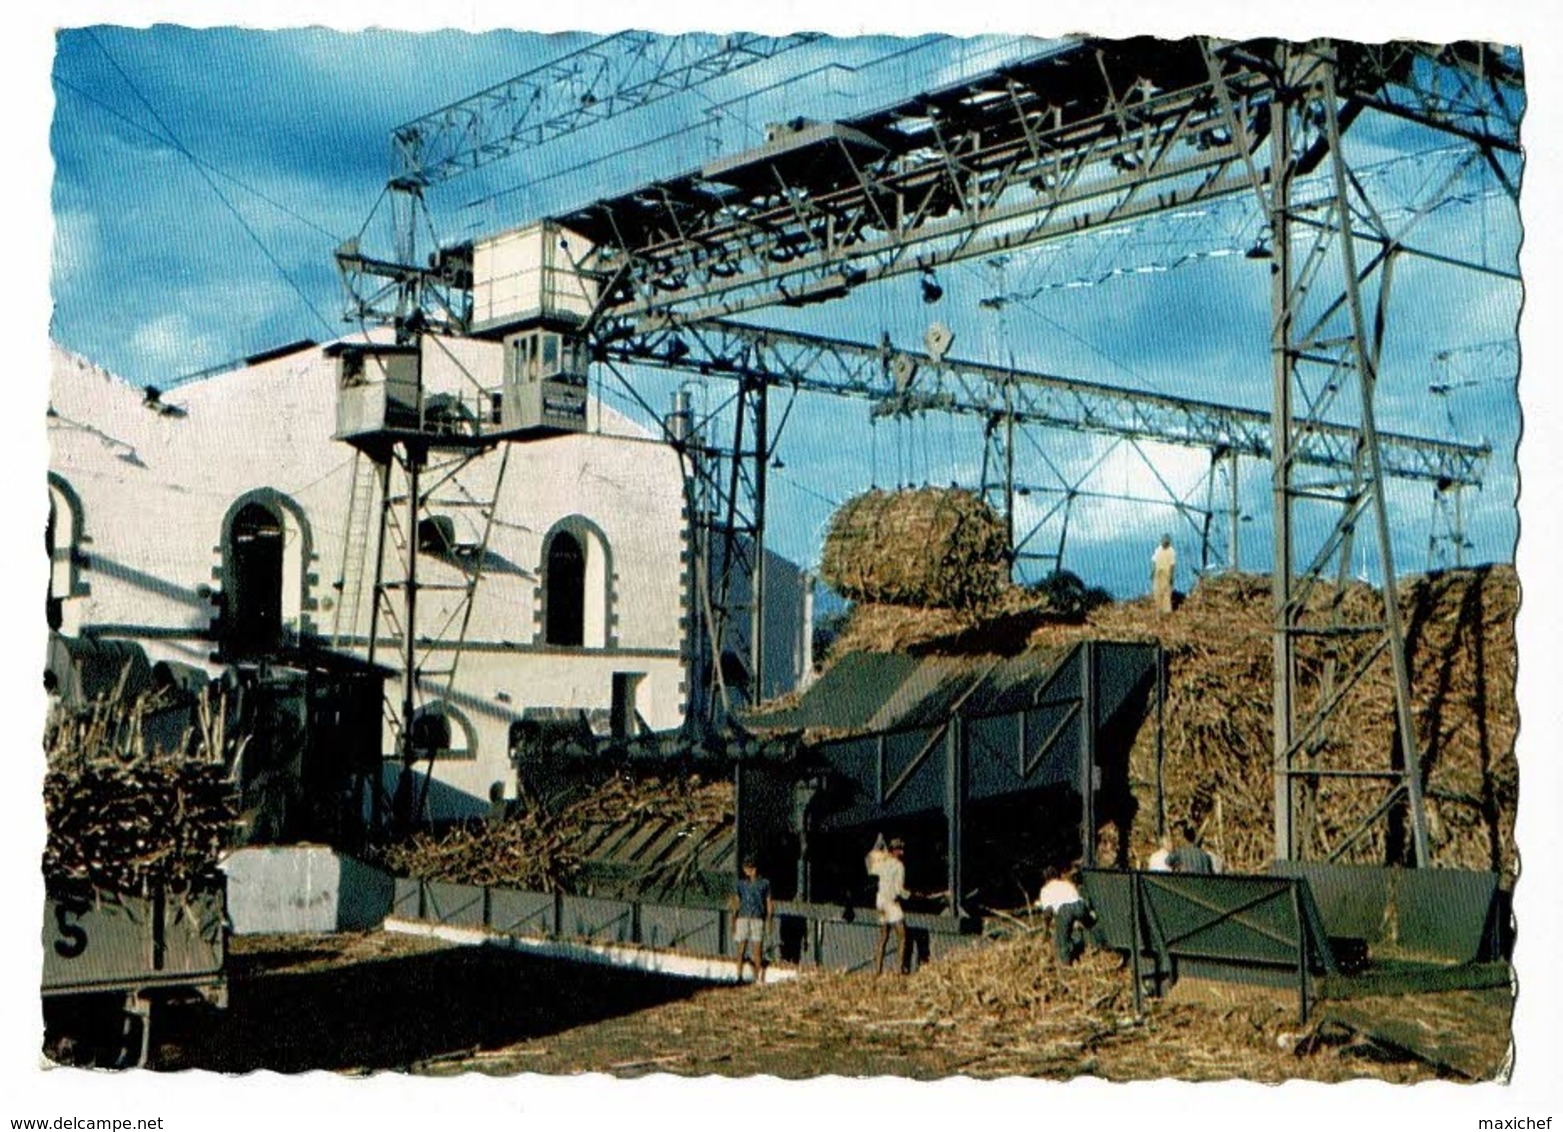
(871, 692)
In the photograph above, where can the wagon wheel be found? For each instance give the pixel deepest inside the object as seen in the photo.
(133, 1047)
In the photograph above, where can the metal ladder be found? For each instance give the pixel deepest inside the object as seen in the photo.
(433, 683)
(361, 514)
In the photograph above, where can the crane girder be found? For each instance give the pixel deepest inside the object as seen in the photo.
(607, 77)
(817, 364)
(1089, 135)
(1096, 133)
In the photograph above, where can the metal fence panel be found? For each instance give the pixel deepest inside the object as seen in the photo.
(672, 927)
(1351, 898)
(459, 905)
(521, 913)
(1239, 919)
(407, 898)
(1236, 920)
(596, 919)
(849, 947)
(1445, 913)
(1112, 899)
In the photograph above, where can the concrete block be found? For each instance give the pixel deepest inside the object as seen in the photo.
(303, 889)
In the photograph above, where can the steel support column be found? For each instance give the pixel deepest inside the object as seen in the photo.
(759, 470)
(1088, 754)
(1325, 354)
(1282, 668)
(406, 814)
(728, 490)
(955, 814)
(383, 473)
(1234, 513)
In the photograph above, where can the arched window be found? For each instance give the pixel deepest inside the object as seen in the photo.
(252, 617)
(439, 731)
(62, 537)
(565, 576)
(266, 576)
(577, 586)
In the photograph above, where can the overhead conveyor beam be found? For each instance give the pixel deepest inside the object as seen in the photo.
(1095, 133)
(1092, 134)
(817, 364)
(608, 77)
(1089, 135)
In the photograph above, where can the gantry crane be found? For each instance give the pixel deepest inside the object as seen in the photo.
(1091, 134)
(407, 425)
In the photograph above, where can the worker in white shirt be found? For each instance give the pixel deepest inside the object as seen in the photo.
(1061, 899)
(1157, 862)
(888, 866)
(1164, 569)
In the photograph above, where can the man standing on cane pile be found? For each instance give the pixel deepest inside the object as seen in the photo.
(1164, 566)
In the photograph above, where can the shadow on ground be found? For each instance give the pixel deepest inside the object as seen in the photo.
(390, 1013)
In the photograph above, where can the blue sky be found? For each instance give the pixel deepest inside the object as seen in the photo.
(203, 178)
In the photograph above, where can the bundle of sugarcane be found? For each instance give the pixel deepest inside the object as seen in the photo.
(126, 818)
(931, 547)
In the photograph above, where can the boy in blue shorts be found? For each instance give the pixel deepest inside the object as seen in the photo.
(751, 918)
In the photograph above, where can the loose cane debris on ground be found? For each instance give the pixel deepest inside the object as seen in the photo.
(1005, 1009)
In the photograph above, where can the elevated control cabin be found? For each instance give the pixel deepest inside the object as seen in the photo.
(457, 393)
(520, 375)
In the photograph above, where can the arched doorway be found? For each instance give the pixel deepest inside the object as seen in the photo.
(565, 600)
(62, 536)
(252, 618)
(57, 525)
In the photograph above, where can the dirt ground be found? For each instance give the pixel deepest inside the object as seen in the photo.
(362, 1003)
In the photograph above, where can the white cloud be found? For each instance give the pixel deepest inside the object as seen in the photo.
(77, 244)
(171, 344)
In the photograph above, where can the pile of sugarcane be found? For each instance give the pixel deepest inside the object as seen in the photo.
(123, 817)
(1217, 765)
(1218, 760)
(543, 851)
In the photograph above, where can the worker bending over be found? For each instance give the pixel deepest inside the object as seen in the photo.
(1061, 899)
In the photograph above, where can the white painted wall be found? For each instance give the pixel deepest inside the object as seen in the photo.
(156, 490)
